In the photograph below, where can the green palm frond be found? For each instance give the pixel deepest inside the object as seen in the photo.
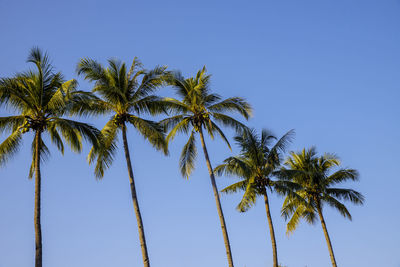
(58, 101)
(10, 146)
(73, 131)
(342, 175)
(234, 166)
(215, 128)
(346, 194)
(55, 137)
(249, 197)
(150, 105)
(150, 130)
(182, 126)
(236, 187)
(104, 155)
(229, 122)
(188, 156)
(176, 106)
(11, 123)
(152, 80)
(236, 104)
(334, 203)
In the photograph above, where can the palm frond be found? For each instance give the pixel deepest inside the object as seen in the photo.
(10, 146)
(249, 197)
(236, 104)
(228, 121)
(342, 175)
(236, 187)
(11, 123)
(73, 131)
(188, 156)
(346, 194)
(334, 203)
(150, 130)
(104, 155)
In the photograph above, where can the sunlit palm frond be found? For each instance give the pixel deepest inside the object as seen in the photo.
(10, 146)
(233, 104)
(150, 130)
(228, 121)
(188, 156)
(104, 155)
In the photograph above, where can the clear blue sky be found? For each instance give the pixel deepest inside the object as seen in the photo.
(328, 69)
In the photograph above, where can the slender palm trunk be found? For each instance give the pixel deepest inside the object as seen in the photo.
(328, 240)
(38, 227)
(142, 238)
(271, 230)
(218, 202)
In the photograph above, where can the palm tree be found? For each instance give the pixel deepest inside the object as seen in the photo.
(200, 109)
(42, 98)
(126, 94)
(314, 175)
(256, 165)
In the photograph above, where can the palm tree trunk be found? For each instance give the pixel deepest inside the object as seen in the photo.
(271, 230)
(218, 202)
(328, 240)
(142, 238)
(38, 227)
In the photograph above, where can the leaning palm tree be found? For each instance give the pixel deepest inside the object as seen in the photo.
(126, 94)
(314, 175)
(256, 165)
(200, 109)
(42, 98)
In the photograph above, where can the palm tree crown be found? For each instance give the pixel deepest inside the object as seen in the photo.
(198, 109)
(314, 175)
(257, 163)
(127, 94)
(42, 98)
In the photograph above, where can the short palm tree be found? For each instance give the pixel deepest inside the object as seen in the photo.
(256, 165)
(42, 98)
(200, 109)
(314, 175)
(126, 94)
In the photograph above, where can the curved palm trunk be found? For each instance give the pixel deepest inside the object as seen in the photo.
(142, 238)
(38, 227)
(328, 240)
(218, 202)
(271, 230)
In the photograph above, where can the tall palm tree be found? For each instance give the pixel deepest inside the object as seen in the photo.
(126, 94)
(316, 179)
(200, 109)
(42, 98)
(256, 165)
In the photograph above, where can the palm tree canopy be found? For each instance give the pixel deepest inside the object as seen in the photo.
(126, 94)
(256, 165)
(42, 97)
(199, 108)
(316, 178)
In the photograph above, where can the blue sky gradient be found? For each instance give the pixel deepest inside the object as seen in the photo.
(328, 69)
